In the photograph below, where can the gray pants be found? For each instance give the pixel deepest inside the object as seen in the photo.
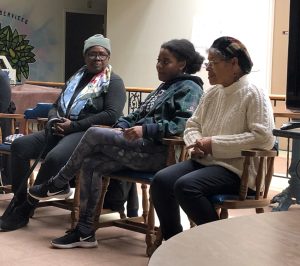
(102, 151)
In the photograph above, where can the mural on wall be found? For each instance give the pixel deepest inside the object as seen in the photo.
(14, 45)
(29, 38)
(17, 50)
(40, 27)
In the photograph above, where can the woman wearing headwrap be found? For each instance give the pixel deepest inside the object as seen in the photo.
(233, 115)
(94, 95)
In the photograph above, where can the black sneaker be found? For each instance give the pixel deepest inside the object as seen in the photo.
(11, 206)
(48, 191)
(18, 218)
(74, 238)
(9, 209)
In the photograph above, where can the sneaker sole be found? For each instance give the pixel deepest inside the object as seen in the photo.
(76, 245)
(58, 196)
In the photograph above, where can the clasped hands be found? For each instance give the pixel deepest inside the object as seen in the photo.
(201, 148)
(61, 128)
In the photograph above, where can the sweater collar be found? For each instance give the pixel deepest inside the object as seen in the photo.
(236, 85)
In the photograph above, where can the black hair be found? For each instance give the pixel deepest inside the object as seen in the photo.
(183, 49)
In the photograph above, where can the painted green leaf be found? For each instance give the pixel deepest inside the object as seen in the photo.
(17, 50)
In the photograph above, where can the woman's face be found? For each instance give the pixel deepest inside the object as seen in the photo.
(167, 66)
(96, 59)
(221, 71)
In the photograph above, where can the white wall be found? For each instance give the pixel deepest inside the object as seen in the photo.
(137, 28)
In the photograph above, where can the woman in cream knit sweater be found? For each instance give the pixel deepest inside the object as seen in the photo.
(233, 115)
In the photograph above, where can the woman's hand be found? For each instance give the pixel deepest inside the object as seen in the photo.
(62, 128)
(133, 133)
(201, 148)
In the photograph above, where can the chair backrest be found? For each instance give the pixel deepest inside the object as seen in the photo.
(264, 172)
(246, 199)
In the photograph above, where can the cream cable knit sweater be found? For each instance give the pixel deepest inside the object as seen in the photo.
(237, 117)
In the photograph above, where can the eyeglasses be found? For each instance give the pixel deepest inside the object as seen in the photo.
(102, 57)
(212, 63)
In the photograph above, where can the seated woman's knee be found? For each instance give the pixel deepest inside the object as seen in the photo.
(17, 145)
(92, 132)
(56, 159)
(160, 180)
(87, 164)
(184, 189)
(20, 147)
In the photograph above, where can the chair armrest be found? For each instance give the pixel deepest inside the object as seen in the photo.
(11, 116)
(259, 153)
(173, 141)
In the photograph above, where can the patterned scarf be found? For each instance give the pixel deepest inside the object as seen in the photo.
(98, 84)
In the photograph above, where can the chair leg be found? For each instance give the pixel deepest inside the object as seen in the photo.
(31, 180)
(76, 203)
(157, 242)
(259, 210)
(122, 214)
(2, 190)
(192, 224)
(152, 240)
(223, 213)
(145, 203)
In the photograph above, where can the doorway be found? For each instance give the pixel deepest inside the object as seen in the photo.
(78, 28)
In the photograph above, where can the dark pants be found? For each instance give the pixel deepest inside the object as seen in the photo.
(57, 153)
(189, 184)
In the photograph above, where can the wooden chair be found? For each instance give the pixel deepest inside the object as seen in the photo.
(245, 199)
(28, 120)
(257, 201)
(16, 119)
(146, 223)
